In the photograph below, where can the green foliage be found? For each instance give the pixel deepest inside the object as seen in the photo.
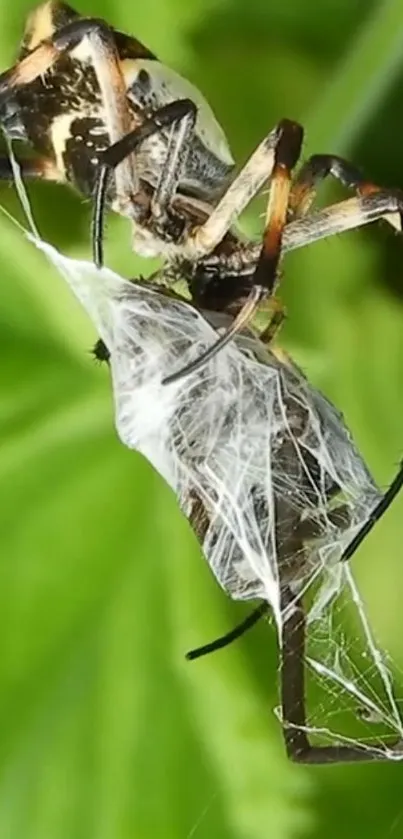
(105, 731)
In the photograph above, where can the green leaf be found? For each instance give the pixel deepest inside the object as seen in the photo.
(362, 79)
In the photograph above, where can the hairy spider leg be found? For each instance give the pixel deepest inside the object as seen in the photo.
(286, 153)
(350, 214)
(383, 505)
(293, 699)
(319, 167)
(181, 115)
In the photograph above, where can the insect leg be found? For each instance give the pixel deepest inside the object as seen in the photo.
(307, 532)
(171, 114)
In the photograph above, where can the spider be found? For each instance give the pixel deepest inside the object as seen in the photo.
(80, 98)
(103, 114)
(299, 522)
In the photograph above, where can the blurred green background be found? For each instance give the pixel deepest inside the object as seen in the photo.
(105, 731)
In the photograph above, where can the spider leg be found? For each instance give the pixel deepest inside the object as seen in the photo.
(338, 218)
(374, 203)
(285, 154)
(204, 238)
(315, 170)
(345, 215)
(181, 115)
(102, 53)
(349, 214)
(284, 140)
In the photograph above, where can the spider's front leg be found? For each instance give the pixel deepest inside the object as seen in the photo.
(273, 160)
